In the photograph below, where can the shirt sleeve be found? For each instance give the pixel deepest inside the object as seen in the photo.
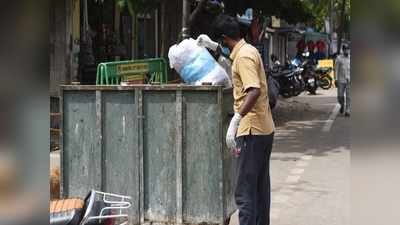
(248, 72)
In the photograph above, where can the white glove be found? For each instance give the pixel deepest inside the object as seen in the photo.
(205, 41)
(231, 133)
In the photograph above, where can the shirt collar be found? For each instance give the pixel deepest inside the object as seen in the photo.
(236, 49)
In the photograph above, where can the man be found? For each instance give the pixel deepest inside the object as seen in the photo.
(342, 67)
(250, 133)
(301, 46)
(275, 61)
(321, 47)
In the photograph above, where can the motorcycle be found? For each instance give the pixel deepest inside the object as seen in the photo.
(290, 80)
(98, 208)
(315, 77)
(309, 76)
(324, 79)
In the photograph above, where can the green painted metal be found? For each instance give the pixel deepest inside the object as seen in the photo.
(162, 145)
(112, 73)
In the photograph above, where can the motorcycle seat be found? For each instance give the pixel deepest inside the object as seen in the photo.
(282, 73)
(66, 211)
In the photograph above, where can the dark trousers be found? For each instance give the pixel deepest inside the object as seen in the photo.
(253, 187)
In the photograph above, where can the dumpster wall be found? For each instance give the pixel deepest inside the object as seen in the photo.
(162, 145)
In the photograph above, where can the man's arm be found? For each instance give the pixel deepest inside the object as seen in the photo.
(251, 83)
(250, 101)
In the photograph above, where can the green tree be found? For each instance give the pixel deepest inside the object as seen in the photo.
(293, 11)
(311, 12)
(324, 9)
(135, 6)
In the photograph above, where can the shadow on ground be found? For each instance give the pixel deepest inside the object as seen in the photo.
(299, 128)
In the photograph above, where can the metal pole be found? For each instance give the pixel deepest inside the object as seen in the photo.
(185, 19)
(156, 33)
(331, 28)
(341, 29)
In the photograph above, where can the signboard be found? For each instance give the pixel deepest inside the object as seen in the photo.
(133, 68)
(276, 22)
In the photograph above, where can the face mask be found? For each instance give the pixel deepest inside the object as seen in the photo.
(226, 51)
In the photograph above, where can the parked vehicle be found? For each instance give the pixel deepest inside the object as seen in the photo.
(290, 80)
(324, 79)
(315, 77)
(300, 74)
(98, 208)
(309, 76)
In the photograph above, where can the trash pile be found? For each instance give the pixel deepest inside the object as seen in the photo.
(196, 65)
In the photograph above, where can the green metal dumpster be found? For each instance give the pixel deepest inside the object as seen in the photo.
(162, 145)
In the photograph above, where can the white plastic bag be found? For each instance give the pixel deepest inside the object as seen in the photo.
(196, 65)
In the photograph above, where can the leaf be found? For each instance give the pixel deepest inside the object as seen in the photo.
(130, 7)
(121, 3)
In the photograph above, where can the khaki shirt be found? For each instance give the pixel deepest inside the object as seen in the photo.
(248, 72)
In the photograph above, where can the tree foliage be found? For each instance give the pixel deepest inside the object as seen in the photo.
(293, 11)
(320, 10)
(311, 12)
(137, 6)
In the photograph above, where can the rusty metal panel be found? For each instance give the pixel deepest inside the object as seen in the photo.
(81, 154)
(229, 166)
(159, 159)
(163, 145)
(120, 153)
(203, 196)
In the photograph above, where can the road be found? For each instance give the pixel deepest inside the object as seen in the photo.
(310, 166)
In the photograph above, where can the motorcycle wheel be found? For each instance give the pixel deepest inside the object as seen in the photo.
(300, 88)
(286, 95)
(325, 82)
(313, 91)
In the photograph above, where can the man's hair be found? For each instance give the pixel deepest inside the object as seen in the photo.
(226, 25)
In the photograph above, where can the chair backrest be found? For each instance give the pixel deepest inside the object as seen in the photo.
(101, 206)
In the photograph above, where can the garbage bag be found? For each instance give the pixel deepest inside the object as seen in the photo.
(196, 65)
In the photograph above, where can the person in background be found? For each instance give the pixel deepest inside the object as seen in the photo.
(321, 48)
(301, 46)
(311, 49)
(342, 68)
(251, 130)
(275, 61)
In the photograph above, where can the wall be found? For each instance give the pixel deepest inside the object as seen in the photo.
(279, 47)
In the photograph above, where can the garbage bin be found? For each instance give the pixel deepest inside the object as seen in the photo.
(163, 145)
